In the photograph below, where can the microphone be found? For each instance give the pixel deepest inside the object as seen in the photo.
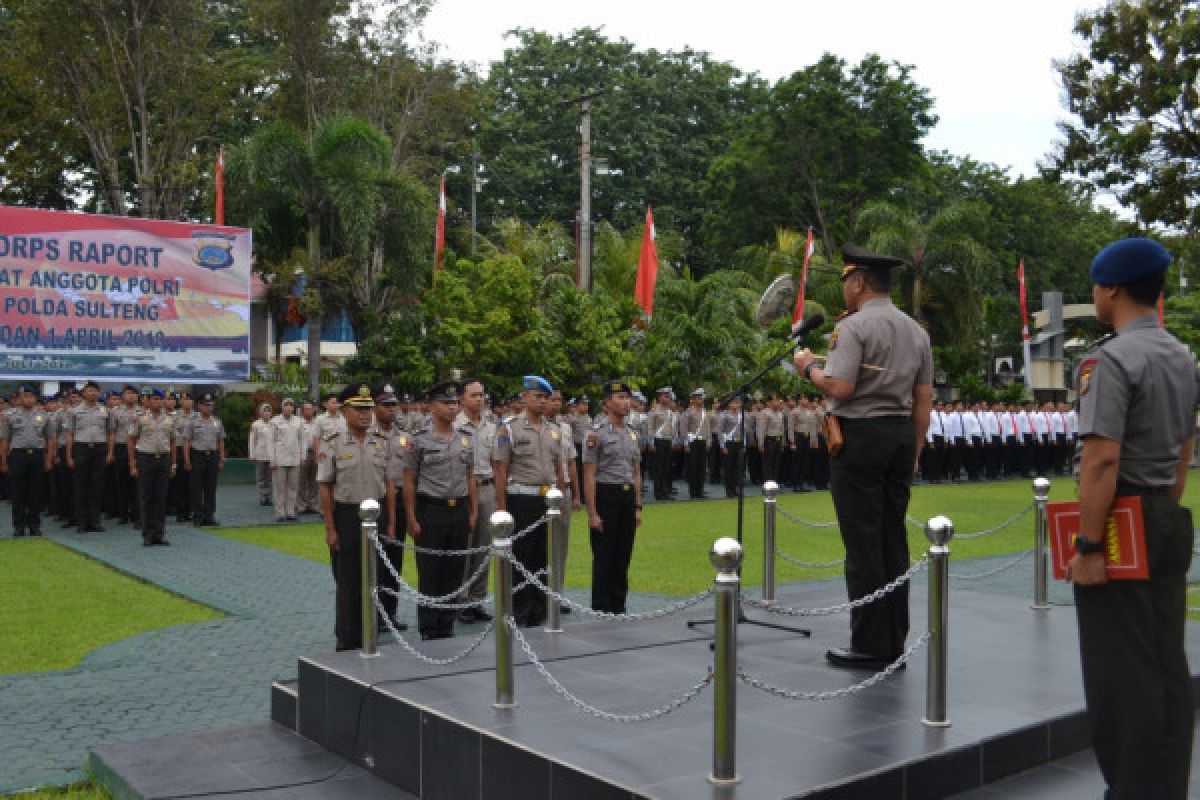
(809, 325)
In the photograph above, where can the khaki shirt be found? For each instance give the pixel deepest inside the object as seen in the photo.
(579, 425)
(769, 424)
(615, 451)
(442, 462)
(531, 452)
(152, 432)
(26, 430)
(285, 442)
(183, 420)
(357, 470)
(698, 424)
(311, 437)
(664, 424)
(259, 446)
(91, 425)
(801, 427)
(879, 335)
(483, 442)
(204, 435)
(327, 424)
(1139, 388)
(569, 451)
(124, 416)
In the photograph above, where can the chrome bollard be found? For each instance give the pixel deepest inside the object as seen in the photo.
(726, 555)
(502, 524)
(368, 512)
(1041, 491)
(939, 531)
(770, 492)
(557, 542)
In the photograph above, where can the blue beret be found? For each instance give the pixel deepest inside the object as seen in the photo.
(538, 384)
(159, 393)
(1129, 261)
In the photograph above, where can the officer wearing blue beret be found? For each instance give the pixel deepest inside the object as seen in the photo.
(1137, 395)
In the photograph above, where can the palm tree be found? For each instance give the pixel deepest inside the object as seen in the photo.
(334, 175)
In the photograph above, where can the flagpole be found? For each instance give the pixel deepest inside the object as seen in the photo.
(1025, 348)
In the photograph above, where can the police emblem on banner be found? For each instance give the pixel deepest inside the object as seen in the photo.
(1086, 369)
(212, 251)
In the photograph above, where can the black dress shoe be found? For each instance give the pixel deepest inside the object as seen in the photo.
(35, 532)
(162, 543)
(562, 610)
(147, 543)
(19, 533)
(852, 659)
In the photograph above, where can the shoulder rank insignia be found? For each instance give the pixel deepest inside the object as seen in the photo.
(554, 435)
(402, 440)
(633, 436)
(591, 440)
(466, 441)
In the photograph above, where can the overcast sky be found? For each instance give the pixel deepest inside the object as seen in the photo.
(988, 64)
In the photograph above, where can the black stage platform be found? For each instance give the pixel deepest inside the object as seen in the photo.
(1014, 703)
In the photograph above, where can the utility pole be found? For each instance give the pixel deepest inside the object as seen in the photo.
(474, 191)
(585, 186)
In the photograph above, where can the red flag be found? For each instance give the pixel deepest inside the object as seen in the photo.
(1025, 349)
(647, 273)
(798, 314)
(439, 243)
(219, 178)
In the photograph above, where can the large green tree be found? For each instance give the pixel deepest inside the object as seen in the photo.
(1135, 98)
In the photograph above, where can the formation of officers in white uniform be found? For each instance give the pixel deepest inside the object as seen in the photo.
(130, 455)
(987, 442)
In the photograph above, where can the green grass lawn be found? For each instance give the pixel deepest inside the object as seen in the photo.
(56, 606)
(671, 554)
(81, 792)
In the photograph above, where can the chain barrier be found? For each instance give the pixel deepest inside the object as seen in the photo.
(641, 616)
(470, 551)
(995, 571)
(865, 600)
(799, 563)
(804, 522)
(845, 691)
(916, 523)
(407, 590)
(691, 694)
(442, 601)
(436, 662)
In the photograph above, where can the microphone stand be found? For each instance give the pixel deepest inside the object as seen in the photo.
(743, 392)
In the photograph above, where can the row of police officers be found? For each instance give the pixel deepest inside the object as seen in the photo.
(1002, 440)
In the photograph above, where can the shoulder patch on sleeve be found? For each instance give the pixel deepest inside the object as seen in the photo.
(1086, 370)
(833, 340)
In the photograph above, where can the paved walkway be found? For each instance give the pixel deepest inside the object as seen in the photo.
(217, 673)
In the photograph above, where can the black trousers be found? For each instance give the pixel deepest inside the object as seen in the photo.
(65, 490)
(612, 547)
(662, 469)
(733, 468)
(715, 460)
(934, 455)
(871, 488)
(347, 573)
(820, 463)
(179, 492)
(89, 481)
(26, 472)
(975, 458)
(203, 488)
(127, 488)
(1012, 456)
(799, 463)
(772, 450)
(1135, 673)
(529, 604)
(154, 470)
(697, 457)
(443, 528)
(754, 461)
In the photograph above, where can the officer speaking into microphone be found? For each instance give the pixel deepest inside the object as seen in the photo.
(879, 378)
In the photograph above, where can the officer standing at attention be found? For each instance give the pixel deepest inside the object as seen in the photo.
(573, 489)
(697, 430)
(770, 429)
(285, 450)
(151, 440)
(612, 472)
(439, 495)
(124, 484)
(663, 427)
(181, 484)
(884, 413)
(204, 458)
(306, 495)
(91, 433)
(528, 462)
(1137, 394)
(259, 449)
(27, 446)
(731, 446)
(476, 423)
(351, 467)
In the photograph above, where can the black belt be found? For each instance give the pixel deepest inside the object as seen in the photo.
(1133, 488)
(484, 481)
(90, 444)
(619, 487)
(152, 455)
(442, 502)
(28, 450)
(853, 421)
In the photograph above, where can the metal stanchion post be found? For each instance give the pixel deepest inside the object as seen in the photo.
(726, 556)
(368, 513)
(557, 540)
(1041, 491)
(770, 492)
(502, 524)
(939, 531)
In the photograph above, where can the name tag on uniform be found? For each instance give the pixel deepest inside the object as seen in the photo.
(345, 455)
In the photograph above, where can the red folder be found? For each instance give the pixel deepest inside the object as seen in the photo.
(1124, 539)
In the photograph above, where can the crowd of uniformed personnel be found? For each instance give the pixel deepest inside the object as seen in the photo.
(133, 456)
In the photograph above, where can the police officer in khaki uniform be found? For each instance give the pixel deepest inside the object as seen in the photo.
(664, 427)
(181, 484)
(1137, 395)
(91, 434)
(474, 420)
(697, 430)
(730, 436)
(770, 429)
(285, 451)
(613, 474)
(204, 458)
(527, 463)
(27, 445)
(351, 467)
(879, 377)
(439, 495)
(307, 500)
(151, 439)
(125, 485)
(259, 450)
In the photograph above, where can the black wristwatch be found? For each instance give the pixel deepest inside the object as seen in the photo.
(808, 370)
(1087, 547)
